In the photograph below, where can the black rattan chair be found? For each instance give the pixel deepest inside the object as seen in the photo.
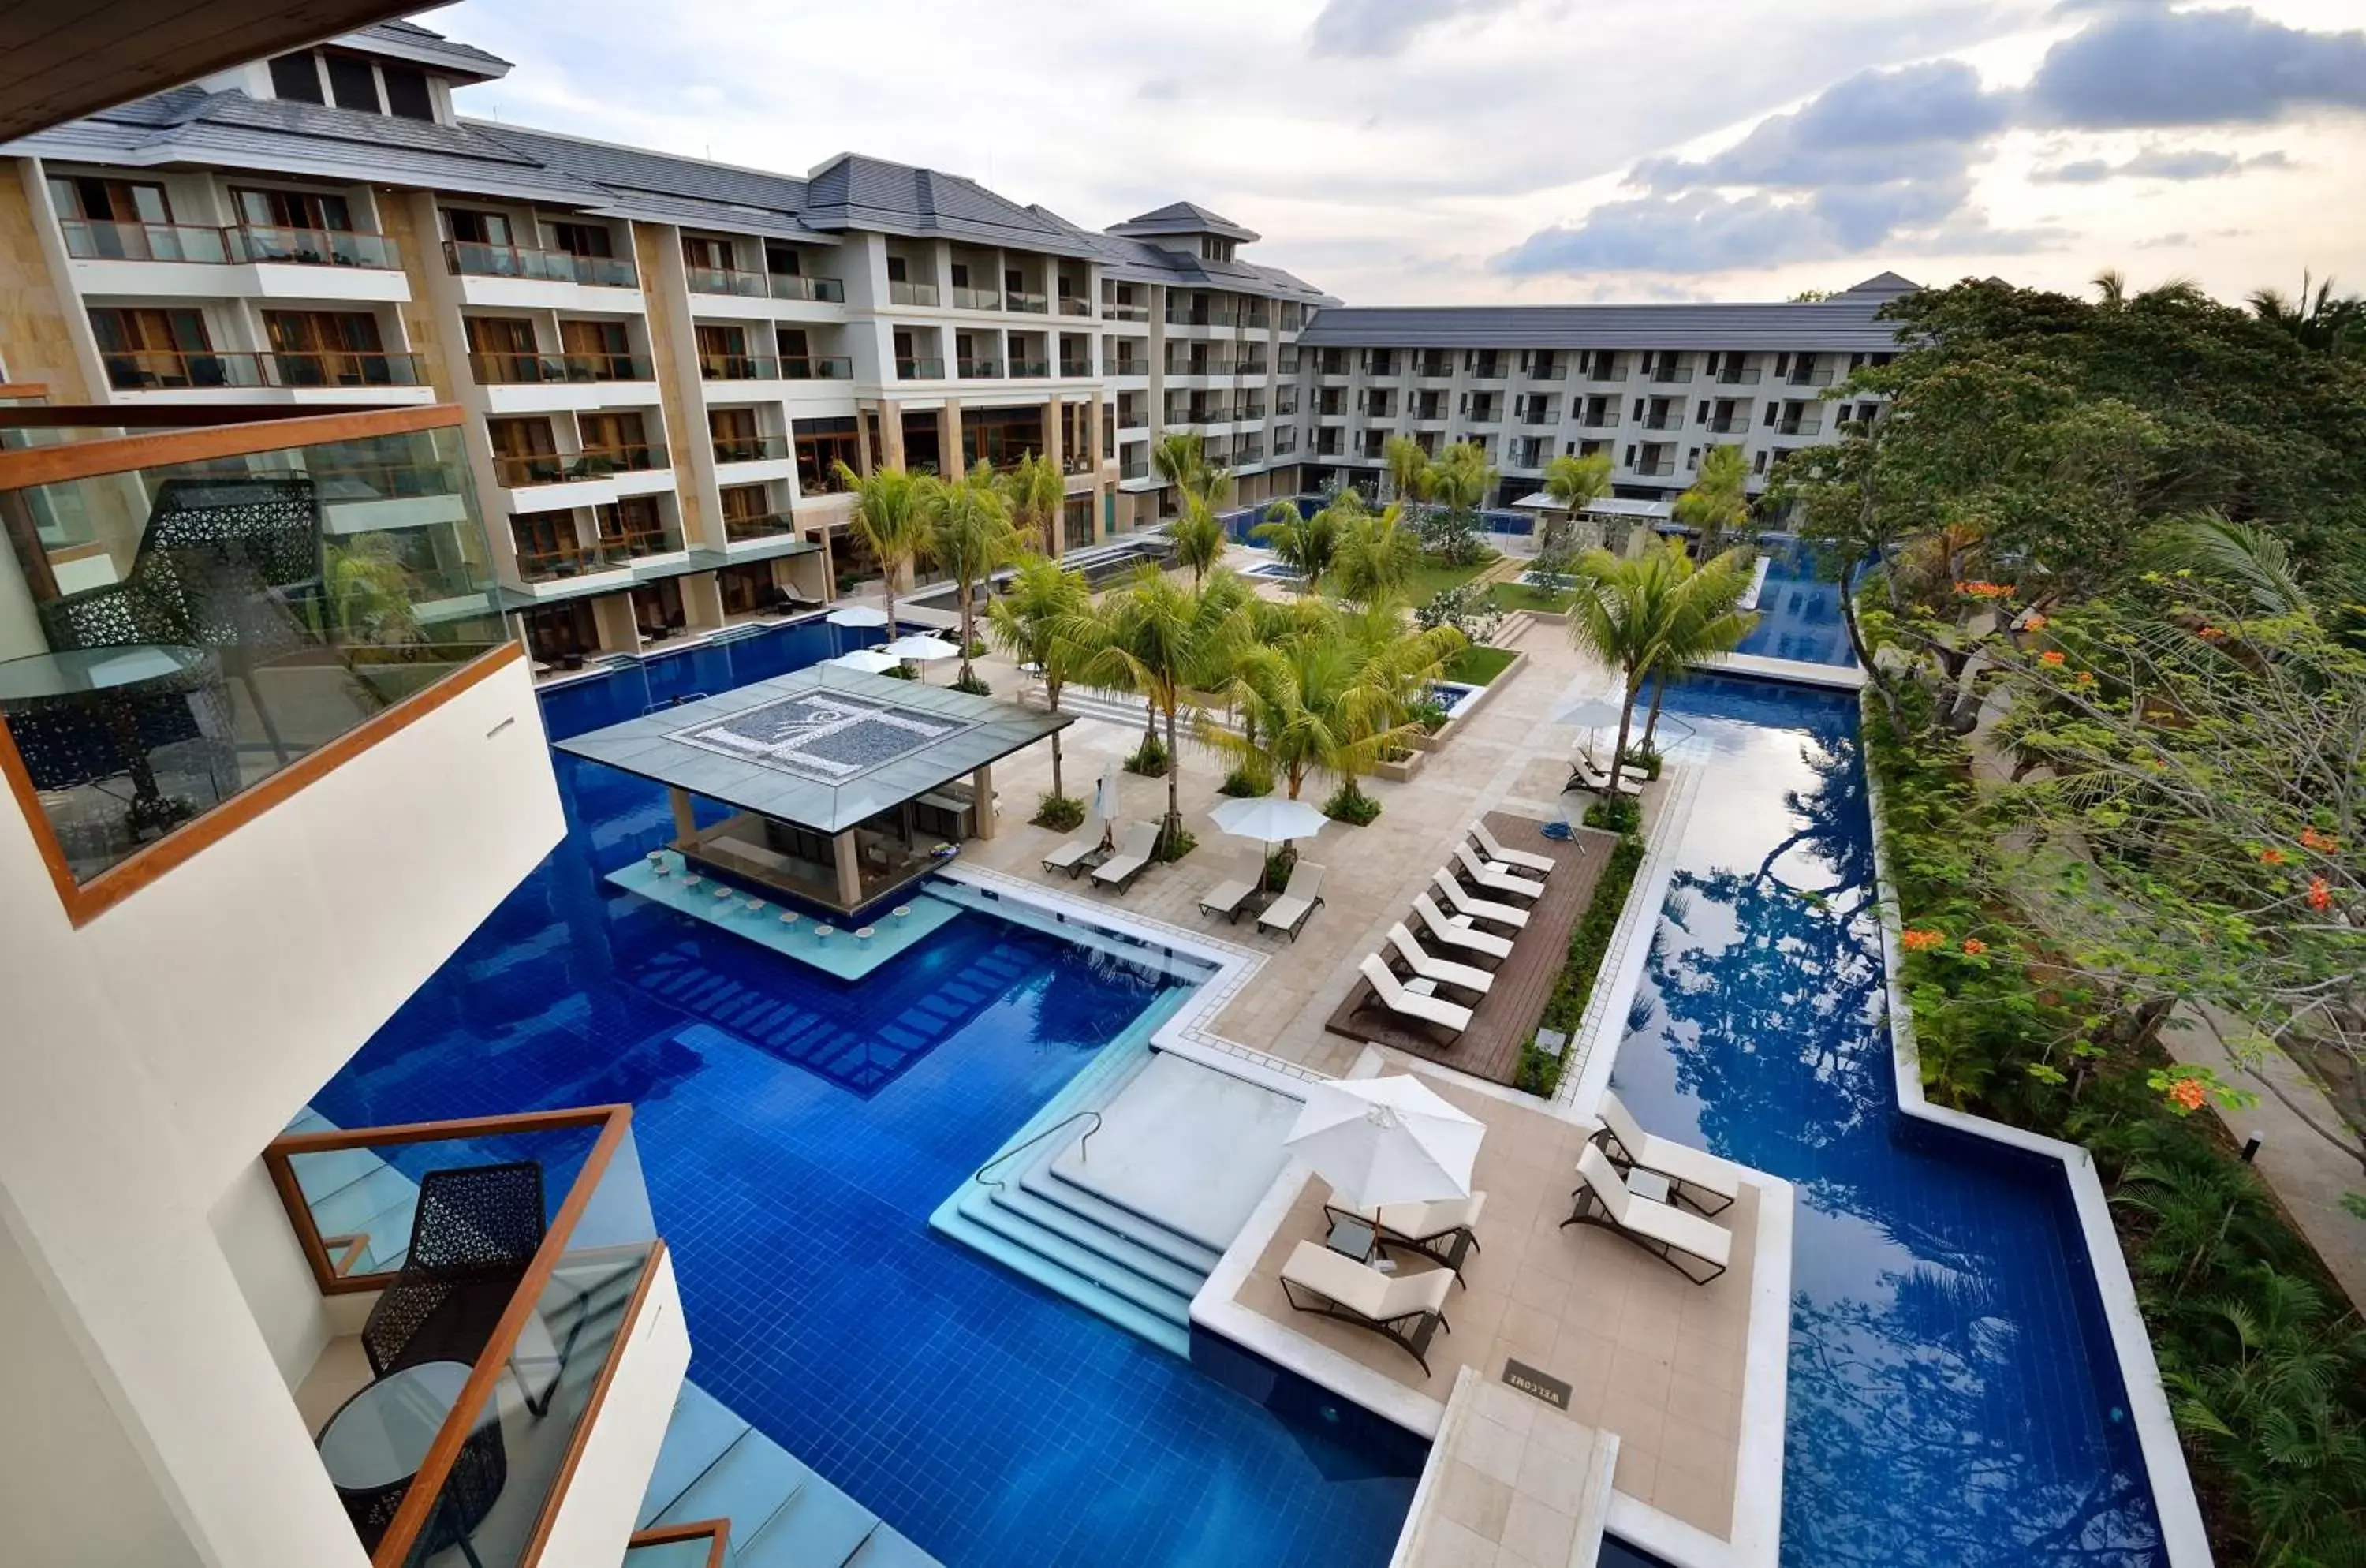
(476, 1230)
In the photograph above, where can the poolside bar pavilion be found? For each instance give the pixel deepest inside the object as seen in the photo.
(843, 787)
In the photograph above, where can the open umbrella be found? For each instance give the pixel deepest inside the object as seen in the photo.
(858, 615)
(921, 648)
(1268, 820)
(869, 661)
(1387, 1140)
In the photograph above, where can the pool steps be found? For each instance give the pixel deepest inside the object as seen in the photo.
(715, 1465)
(1106, 1258)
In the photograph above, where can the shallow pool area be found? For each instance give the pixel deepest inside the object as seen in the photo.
(796, 1130)
(1798, 609)
(1954, 1402)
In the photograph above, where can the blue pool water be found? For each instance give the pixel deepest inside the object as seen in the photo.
(1798, 611)
(795, 1132)
(1953, 1399)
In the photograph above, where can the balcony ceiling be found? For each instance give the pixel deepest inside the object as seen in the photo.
(60, 62)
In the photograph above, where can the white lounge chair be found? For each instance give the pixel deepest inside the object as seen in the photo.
(1229, 898)
(1442, 971)
(1519, 860)
(1584, 774)
(1407, 1309)
(1470, 939)
(1131, 859)
(1477, 909)
(1495, 879)
(1664, 1230)
(1299, 899)
(1442, 1232)
(1694, 1174)
(1390, 991)
(1078, 852)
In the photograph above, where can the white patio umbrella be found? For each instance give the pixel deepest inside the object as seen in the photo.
(1268, 820)
(869, 661)
(1588, 713)
(858, 615)
(1386, 1140)
(921, 648)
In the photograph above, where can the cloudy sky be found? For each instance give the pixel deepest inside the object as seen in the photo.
(1455, 151)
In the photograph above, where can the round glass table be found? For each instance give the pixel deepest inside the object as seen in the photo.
(373, 1447)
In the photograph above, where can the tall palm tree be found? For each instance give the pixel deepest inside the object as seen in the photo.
(2111, 289)
(1374, 556)
(1703, 619)
(1163, 641)
(1036, 488)
(2318, 319)
(1715, 503)
(1408, 467)
(1181, 459)
(1618, 616)
(1027, 622)
(1576, 483)
(972, 537)
(889, 520)
(1199, 538)
(1460, 481)
(1307, 544)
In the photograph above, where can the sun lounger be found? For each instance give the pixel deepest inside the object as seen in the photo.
(1443, 971)
(1288, 913)
(1231, 897)
(1694, 1176)
(1584, 774)
(1406, 1309)
(1664, 1230)
(1495, 879)
(1131, 859)
(1469, 938)
(1078, 852)
(1444, 1233)
(1517, 860)
(1434, 1010)
(1477, 909)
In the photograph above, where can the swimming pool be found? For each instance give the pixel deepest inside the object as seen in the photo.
(796, 1132)
(1953, 1400)
(1798, 610)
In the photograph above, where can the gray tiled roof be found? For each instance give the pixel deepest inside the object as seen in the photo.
(851, 191)
(1845, 322)
(1184, 217)
(636, 169)
(408, 40)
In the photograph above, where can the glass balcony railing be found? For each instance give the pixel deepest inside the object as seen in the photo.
(1285, 442)
(966, 299)
(554, 563)
(1030, 367)
(1115, 312)
(816, 368)
(1076, 368)
(1132, 419)
(98, 240)
(739, 368)
(633, 544)
(1133, 468)
(1729, 424)
(1736, 376)
(1547, 372)
(1660, 422)
(510, 1259)
(901, 292)
(156, 369)
(1656, 467)
(764, 526)
(504, 369)
(919, 369)
(1028, 304)
(751, 448)
(311, 247)
(1487, 373)
(229, 613)
(93, 238)
(1071, 306)
(1599, 419)
(797, 286)
(1806, 424)
(816, 477)
(1666, 374)
(1129, 367)
(976, 369)
(593, 463)
(1808, 378)
(726, 280)
(471, 258)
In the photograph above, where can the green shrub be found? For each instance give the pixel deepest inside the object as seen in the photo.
(1059, 812)
(1477, 666)
(1174, 846)
(1247, 782)
(1352, 806)
(1428, 713)
(1622, 815)
(1588, 942)
(900, 672)
(974, 683)
(1149, 758)
(1649, 761)
(1278, 867)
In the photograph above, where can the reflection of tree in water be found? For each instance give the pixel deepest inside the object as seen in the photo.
(1911, 1382)
(1087, 995)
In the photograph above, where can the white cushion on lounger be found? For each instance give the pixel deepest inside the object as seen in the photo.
(1362, 1289)
(1678, 1162)
(1683, 1231)
(1542, 865)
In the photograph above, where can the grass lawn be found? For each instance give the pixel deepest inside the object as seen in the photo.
(1520, 596)
(1479, 666)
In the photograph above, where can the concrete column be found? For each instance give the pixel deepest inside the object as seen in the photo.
(850, 869)
(678, 801)
(891, 434)
(981, 787)
(950, 460)
(1095, 433)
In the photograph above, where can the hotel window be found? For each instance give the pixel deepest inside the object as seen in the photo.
(621, 439)
(472, 227)
(352, 83)
(605, 343)
(523, 451)
(543, 540)
(294, 210)
(699, 250)
(581, 240)
(557, 632)
(155, 348)
(735, 435)
(407, 97)
(297, 76)
(746, 588)
(503, 348)
(896, 271)
(658, 608)
(635, 523)
(821, 445)
(109, 201)
(326, 348)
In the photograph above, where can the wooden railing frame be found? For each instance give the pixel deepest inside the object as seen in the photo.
(717, 1531)
(32, 466)
(581, 1437)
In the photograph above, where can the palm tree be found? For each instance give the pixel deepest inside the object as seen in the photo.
(1715, 503)
(1576, 483)
(2234, 553)
(1036, 487)
(2318, 319)
(1158, 638)
(370, 592)
(1703, 619)
(1374, 556)
(972, 537)
(1617, 616)
(1408, 469)
(889, 520)
(1307, 544)
(1460, 481)
(1199, 538)
(1181, 459)
(1026, 622)
(2111, 289)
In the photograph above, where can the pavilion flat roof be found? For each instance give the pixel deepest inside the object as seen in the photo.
(823, 748)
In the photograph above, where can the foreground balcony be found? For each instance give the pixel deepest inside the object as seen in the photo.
(154, 370)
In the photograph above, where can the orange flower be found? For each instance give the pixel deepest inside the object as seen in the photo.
(2320, 896)
(2271, 856)
(2086, 678)
(2035, 623)
(1974, 946)
(2052, 658)
(2322, 842)
(2212, 634)
(2189, 1093)
(1923, 940)
(1979, 589)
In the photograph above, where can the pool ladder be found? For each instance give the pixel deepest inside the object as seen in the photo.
(1083, 1149)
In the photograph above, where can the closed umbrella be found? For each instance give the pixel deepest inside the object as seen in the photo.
(1105, 803)
(1268, 820)
(1387, 1140)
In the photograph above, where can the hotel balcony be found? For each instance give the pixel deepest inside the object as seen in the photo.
(1607, 373)
(525, 369)
(1071, 305)
(1030, 367)
(919, 369)
(1669, 420)
(1808, 377)
(1547, 373)
(1026, 303)
(1731, 425)
(591, 463)
(1113, 312)
(1736, 376)
(1075, 369)
(468, 258)
(764, 367)
(966, 299)
(1671, 374)
(902, 292)
(1599, 419)
(93, 240)
(978, 369)
(1486, 372)
(797, 286)
(169, 370)
(751, 449)
(741, 283)
(764, 526)
(1133, 419)
(1801, 424)
(498, 1282)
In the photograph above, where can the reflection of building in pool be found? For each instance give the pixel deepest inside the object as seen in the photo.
(841, 786)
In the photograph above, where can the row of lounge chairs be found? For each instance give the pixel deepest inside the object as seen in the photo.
(1286, 915)
(1426, 992)
(1117, 868)
(1407, 1308)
